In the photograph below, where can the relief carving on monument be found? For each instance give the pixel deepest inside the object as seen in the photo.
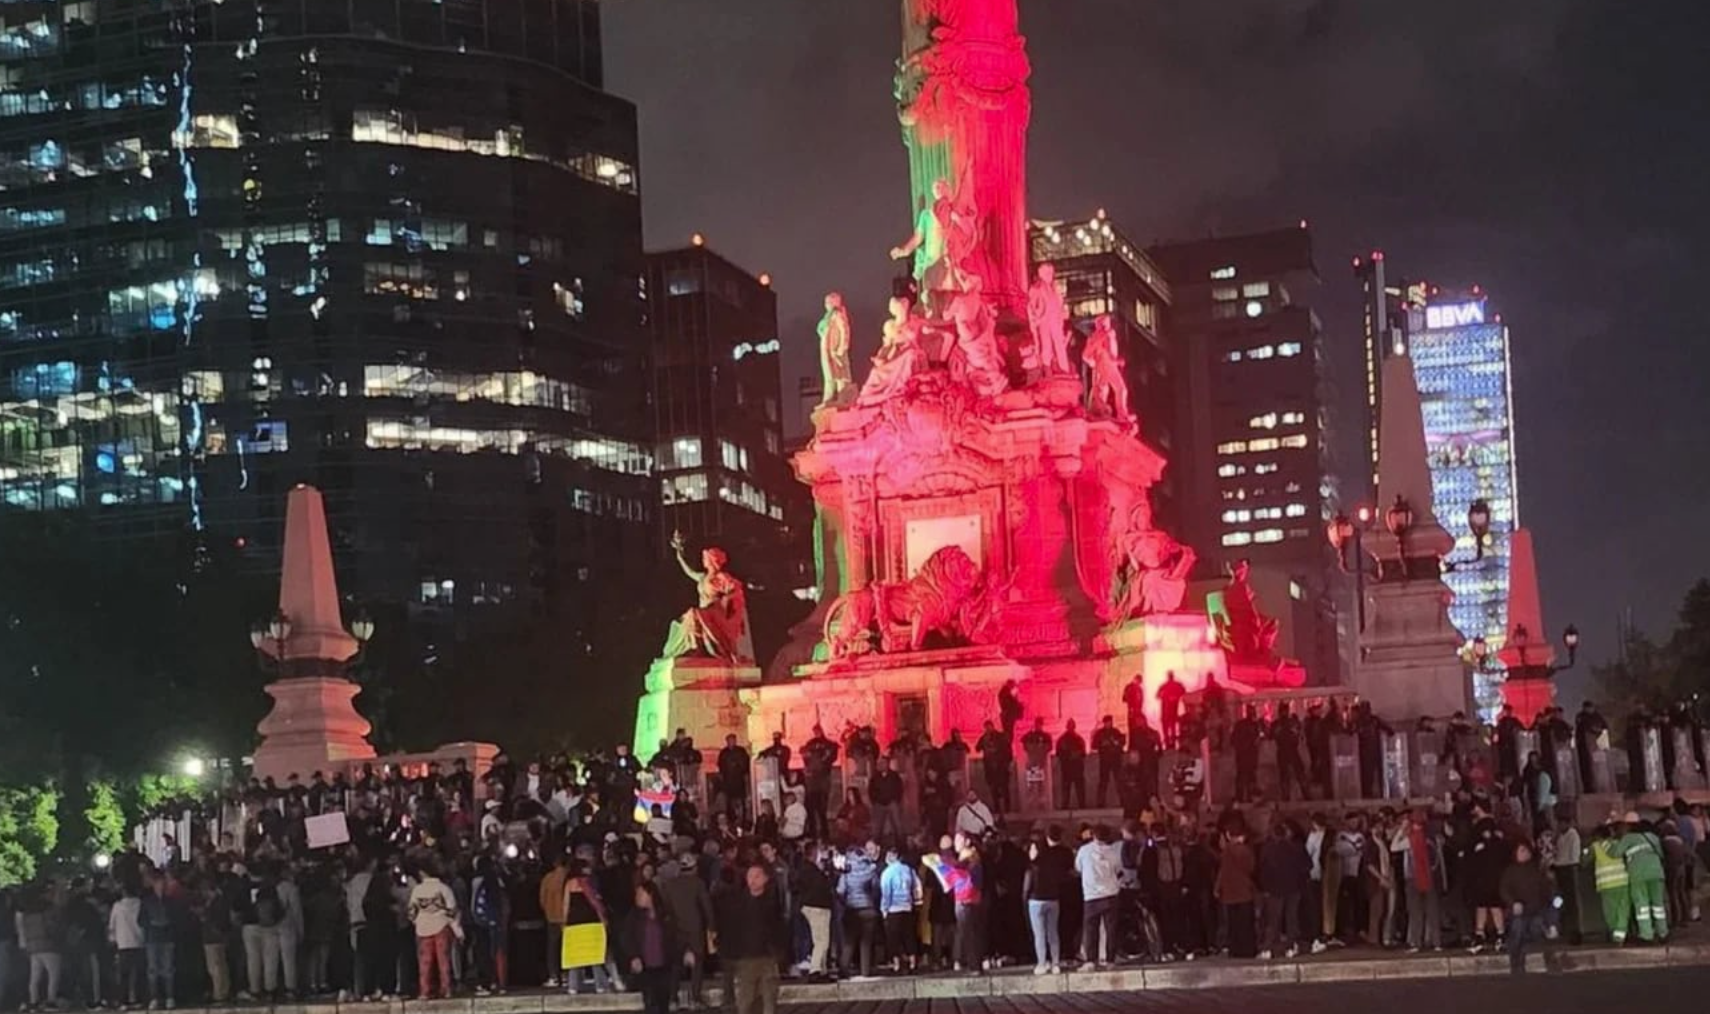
(1150, 572)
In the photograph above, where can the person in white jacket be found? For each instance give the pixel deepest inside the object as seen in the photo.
(125, 932)
(433, 912)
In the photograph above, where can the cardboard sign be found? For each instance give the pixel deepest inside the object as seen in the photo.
(327, 830)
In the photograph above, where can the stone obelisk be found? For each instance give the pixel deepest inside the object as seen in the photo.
(1409, 664)
(1526, 650)
(314, 725)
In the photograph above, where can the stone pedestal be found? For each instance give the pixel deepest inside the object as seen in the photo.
(1411, 668)
(313, 727)
(1528, 696)
(698, 695)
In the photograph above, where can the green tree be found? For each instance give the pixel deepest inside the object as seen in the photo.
(104, 818)
(29, 831)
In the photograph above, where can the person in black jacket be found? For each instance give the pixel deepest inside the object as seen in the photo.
(751, 936)
(656, 949)
(1072, 767)
(733, 777)
(1285, 874)
(1108, 742)
(885, 793)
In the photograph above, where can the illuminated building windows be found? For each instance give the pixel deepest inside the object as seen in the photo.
(1293, 418)
(1268, 421)
(735, 458)
(1256, 290)
(1297, 441)
(1262, 444)
(1288, 349)
(523, 388)
(1233, 356)
(683, 452)
(1223, 273)
(373, 126)
(210, 130)
(413, 281)
(1265, 469)
(1238, 538)
(1267, 514)
(1296, 510)
(690, 488)
(1262, 352)
(415, 435)
(1225, 293)
(1233, 447)
(569, 299)
(1230, 470)
(1265, 536)
(1237, 516)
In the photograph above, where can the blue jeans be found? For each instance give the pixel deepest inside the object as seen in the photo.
(1047, 941)
(160, 971)
(1522, 928)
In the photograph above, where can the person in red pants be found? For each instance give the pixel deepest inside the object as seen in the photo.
(433, 913)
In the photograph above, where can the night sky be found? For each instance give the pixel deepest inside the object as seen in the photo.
(1552, 151)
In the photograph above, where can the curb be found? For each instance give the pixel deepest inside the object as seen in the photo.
(1181, 975)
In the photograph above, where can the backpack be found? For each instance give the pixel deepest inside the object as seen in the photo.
(267, 908)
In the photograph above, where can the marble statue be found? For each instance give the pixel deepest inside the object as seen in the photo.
(977, 358)
(949, 597)
(1049, 318)
(1249, 636)
(1152, 569)
(1103, 355)
(838, 381)
(900, 355)
(943, 244)
(718, 627)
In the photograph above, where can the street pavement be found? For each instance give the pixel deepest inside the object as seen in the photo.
(1602, 992)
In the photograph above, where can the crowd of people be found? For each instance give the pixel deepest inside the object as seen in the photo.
(605, 874)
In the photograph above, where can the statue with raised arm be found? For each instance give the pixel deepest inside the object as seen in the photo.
(718, 626)
(837, 378)
(944, 244)
(900, 355)
(1049, 318)
(1103, 355)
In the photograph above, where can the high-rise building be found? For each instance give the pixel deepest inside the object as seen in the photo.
(1385, 298)
(1460, 356)
(718, 404)
(391, 248)
(1254, 461)
(1100, 271)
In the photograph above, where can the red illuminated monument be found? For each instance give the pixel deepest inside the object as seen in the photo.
(983, 500)
(1526, 652)
(313, 725)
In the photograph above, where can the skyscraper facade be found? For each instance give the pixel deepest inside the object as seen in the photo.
(388, 247)
(1255, 462)
(1100, 271)
(1461, 362)
(718, 405)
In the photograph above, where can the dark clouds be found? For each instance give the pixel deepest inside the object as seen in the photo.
(1551, 150)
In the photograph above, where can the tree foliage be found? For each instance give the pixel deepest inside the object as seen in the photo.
(1655, 675)
(104, 817)
(29, 831)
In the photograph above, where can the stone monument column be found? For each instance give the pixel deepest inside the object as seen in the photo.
(314, 725)
(964, 104)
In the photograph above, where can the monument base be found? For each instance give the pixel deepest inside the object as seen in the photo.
(313, 727)
(697, 695)
(929, 692)
(1528, 696)
(1409, 666)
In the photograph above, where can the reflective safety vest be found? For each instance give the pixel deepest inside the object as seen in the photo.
(1609, 867)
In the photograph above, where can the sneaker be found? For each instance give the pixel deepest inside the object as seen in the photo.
(1413, 950)
(551, 982)
(1264, 955)
(1292, 951)
(1041, 969)
(1319, 947)
(171, 1004)
(1056, 969)
(483, 991)
(154, 1005)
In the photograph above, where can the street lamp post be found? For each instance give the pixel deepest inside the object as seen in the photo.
(1345, 532)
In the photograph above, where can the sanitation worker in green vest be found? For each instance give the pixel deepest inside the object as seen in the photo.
(1610, 871)
(1641, 848)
